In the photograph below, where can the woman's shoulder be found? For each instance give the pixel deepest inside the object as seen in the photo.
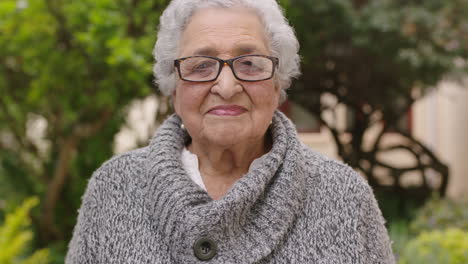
(336, 186)
(339, 198)
(332, 175)
(122, 165)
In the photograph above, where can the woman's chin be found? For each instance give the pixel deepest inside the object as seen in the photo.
(225, 136)
(226, 132)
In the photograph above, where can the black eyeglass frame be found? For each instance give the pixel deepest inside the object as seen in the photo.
(229, 62)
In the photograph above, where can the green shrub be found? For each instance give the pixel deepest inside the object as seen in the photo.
(15, 237)
(447, 247)
(441, 214)
(400, 235)
(433, 236)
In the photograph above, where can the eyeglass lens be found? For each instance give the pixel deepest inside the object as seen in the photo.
(249, 68)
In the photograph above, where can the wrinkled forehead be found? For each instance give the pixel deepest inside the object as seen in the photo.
(214, 31)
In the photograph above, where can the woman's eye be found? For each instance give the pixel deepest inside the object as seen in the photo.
(248, 63)
(203, 66)
(250, 66)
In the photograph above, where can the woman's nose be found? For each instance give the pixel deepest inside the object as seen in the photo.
(227, 85)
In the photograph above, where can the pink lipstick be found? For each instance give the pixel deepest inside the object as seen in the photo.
(227, 110)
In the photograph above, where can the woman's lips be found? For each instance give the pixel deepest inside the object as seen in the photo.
(227, 110)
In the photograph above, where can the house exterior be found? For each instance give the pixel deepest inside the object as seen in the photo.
(439, 120)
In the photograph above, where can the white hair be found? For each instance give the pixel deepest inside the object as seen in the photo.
(282, 40)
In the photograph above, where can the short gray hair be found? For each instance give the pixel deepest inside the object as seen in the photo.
(282, 40)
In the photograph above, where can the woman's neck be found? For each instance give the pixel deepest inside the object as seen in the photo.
(222, 166)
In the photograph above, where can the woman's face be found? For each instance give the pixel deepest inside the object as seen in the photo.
(226, 111)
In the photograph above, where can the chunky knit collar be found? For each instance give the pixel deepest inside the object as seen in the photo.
(249, 222)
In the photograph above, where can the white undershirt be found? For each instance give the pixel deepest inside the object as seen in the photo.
(190, 164)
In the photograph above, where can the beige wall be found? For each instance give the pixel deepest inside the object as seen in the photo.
(441, 121)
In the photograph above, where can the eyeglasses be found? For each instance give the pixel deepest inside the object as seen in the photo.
(249, 68)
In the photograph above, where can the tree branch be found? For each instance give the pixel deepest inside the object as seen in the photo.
(64, 35)
(437, 164)
(55, 187)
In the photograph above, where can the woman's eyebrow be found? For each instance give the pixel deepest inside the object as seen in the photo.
(206, 51)
(246, 49)
(239, 50)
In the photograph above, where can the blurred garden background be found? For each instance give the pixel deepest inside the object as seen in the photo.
(384, 88)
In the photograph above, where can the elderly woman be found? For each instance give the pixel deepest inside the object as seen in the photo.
(226, 179)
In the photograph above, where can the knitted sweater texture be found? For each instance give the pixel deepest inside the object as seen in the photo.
(297, 206)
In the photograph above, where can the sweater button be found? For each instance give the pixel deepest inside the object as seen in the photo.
(204, 248)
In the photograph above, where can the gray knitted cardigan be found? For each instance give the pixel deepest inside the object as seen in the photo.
(296, 207)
